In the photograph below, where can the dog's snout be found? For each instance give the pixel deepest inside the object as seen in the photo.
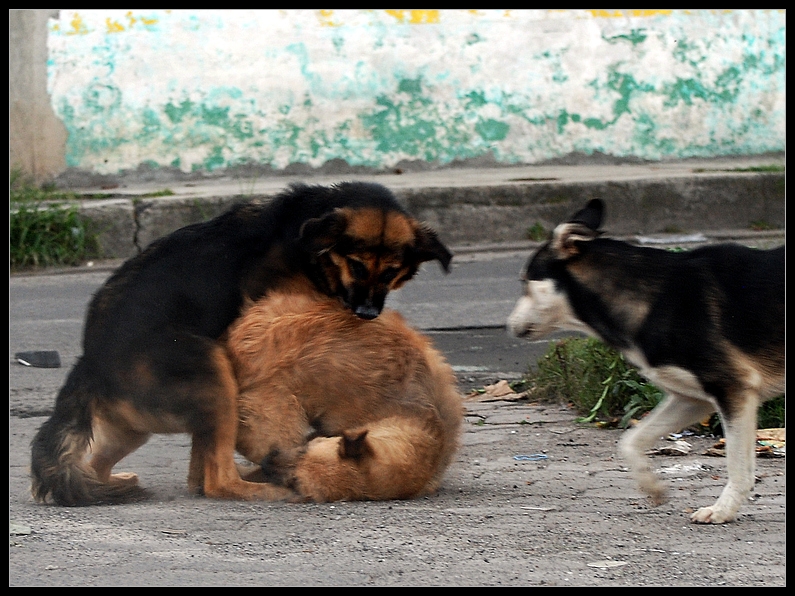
(367, 312)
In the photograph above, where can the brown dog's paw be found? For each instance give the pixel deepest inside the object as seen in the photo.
(277, 467)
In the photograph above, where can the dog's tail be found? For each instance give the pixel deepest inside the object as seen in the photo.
(59, 470)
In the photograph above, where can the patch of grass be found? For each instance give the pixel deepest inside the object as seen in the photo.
(536, 232)
(166, 192)
(23, 191)
(773, 413)
(595, 379)
(760, 225)
(48, 235)
(773, 168)
(43, 231)
(604, 388)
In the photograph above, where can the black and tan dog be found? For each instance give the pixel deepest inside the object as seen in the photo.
(152, 361)
(705, 325)
(337, 407)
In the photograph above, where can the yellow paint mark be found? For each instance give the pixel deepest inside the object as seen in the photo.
(424, 16)
(326, 18)
(650, 13)
(415, 17)
(114, 26)
(602, 13)
(131, 18)
(78, 26)
(398, 14)
(146, 21)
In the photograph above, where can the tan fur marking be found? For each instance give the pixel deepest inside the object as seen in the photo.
(365, 224)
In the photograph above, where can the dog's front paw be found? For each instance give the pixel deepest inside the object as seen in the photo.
(277, 467)
(712, 515)
(653, 488)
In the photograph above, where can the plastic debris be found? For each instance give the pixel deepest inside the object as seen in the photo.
(18, 529)
(686, 469)
(770, 442)
(532, 457)
(39, 358)
(680, 447)
(499, 391)
(607, 564)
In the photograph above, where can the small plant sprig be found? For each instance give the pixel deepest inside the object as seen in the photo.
(44, 228)
(603, 387)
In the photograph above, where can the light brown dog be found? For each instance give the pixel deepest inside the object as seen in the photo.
(337, 407)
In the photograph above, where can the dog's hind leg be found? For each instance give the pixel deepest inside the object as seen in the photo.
(113, 439)
(673, 414)
(740, 434)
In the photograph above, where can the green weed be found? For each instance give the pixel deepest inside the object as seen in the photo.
(44, 229)
(48, 235)
(772, 168)
(760, 225)
(603, 387)
(536, 232)
(594, 378)
(166, 192)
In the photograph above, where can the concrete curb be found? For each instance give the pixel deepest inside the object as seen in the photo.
(486, 205)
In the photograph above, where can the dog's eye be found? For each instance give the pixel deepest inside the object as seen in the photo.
(388, 274)
(358, 269)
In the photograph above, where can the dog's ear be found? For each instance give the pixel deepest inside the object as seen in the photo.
(428, 247)
(321, 233)
(582, 226)
(353, 445)
(591, 215)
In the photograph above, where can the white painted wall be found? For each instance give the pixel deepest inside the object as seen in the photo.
(207, 89)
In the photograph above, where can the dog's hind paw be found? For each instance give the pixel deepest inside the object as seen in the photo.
(712, 515)
(123, 479)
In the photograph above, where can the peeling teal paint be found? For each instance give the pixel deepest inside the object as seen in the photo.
(296, 88)
(492, 130)
(635, 37)
(177, 113)
(215, 160)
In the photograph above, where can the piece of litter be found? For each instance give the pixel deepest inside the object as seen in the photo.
(770, 442)
(39, 358)
(533, 457)
(16, 529)
(607, 564)
(499, 391)
(679, 447)
(677, 436)
(685, 469)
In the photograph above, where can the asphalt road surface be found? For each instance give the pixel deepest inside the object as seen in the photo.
(532, 498)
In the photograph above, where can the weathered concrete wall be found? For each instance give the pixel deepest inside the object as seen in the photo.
(200, 91)
(37, 139)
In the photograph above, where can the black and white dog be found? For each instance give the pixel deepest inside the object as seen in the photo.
(706, 326)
